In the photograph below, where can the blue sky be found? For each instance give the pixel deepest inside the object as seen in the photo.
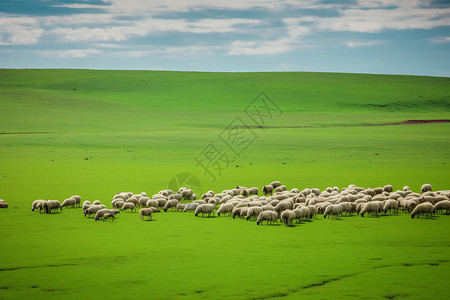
(363, 36)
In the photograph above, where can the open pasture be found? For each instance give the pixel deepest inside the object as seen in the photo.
(96, 133)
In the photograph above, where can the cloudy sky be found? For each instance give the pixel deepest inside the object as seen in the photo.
(364, 36)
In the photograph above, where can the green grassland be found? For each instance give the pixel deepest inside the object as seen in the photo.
(96, 133)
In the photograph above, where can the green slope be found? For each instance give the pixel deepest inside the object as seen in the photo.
(96, 133)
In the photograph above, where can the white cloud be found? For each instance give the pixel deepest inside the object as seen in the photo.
(260, 47)
(441, 40)
(18, 30)
(71, 53)
(377, 20)
(357, 44)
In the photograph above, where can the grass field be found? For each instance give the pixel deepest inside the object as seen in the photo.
(96, 133)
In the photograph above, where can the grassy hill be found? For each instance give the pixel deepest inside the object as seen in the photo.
(96, 133)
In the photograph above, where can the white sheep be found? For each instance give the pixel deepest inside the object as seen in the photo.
(301, 212)
(253, 212)
(143, 201)
(176, 196)
(287, 217)
(275, 184)
(332, 210)
(190, 207)
(268, 216)
(108, 216)
(93, 209)
(253, 191)
(118, 204)
(388, 188)
(152, 203)
(313, 210)
(171, 204)
(69, 202)
(96, 202)
(282, 206)
(51, 205)
(37, 204)
(425, 208)
(244, 211)
(267, 189)
(426, 188)
(77, 200)
(129, 205)
(180, 207)
(3, 204)
(236, 212)
(146, 212)
(315, 191)
(225, 208)
(101, 213)
(390, 205)
(204, 209)
(372, 207)
(442, 205)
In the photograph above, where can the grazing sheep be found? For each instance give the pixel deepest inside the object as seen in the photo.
(69, 202)
(37, 204)
(301, 213)
(152, 203)
(236, 212)
(204, 209)
(268, 216)
(280, 188)
(408, 205)
(426, 188)
(133, 200)
(287, 217)
(333, 210)
(179, 197)
(93, 209)
(347, 207)
(244, 211)
(315, 191)
(146, 212)
(425, 208)
(372, 207)
(253, 191)
(313, 211)
(275, 184)
(180, 207)
(253, 212)
(390, 205)
(226, 208)
(77, 200)
(96, 202)
(388, 188)
(100, 214)
(118, 204)
(190, 207)
(161, 202)
(3, 204)
(123, 196)
(267, 189)
(129, 205)
(143, 201)
(442, 205)
(171, 204)
(51, 205)
(108, 216)
(282, 206)
(186, 193)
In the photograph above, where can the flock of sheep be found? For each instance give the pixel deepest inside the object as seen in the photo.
(276, 203)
